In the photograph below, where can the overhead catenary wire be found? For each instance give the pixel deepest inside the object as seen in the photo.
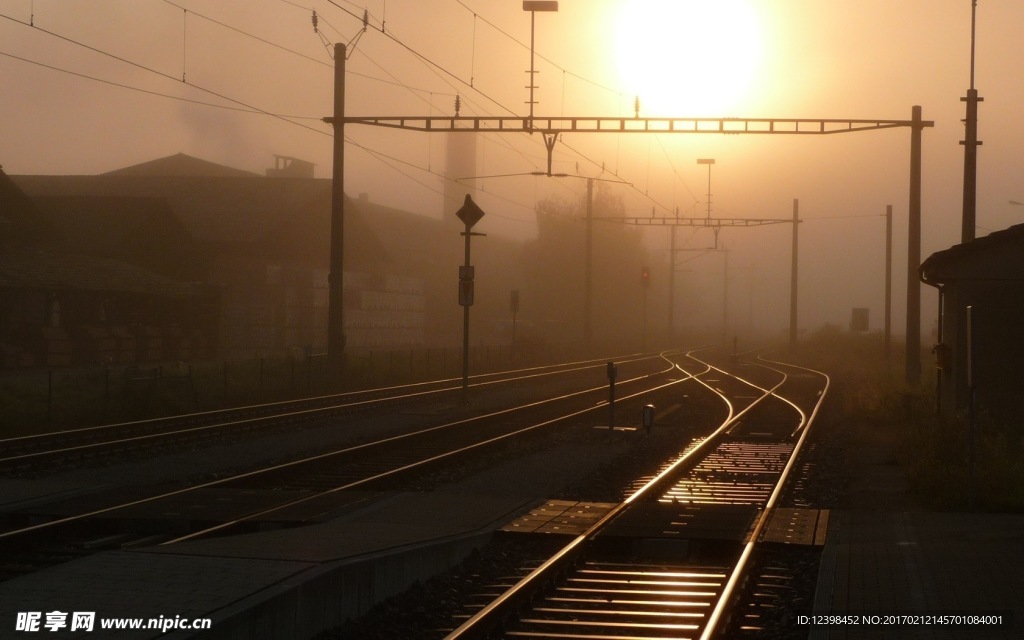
(675, 171)
(527, 47)
(247, 34)
(431, 64)
(160, 73)
(300, 54)
(154, 93)
(242, 106)
(384, 157)
(433, 68)
(441, 68)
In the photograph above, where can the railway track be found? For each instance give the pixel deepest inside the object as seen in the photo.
(45, 452)
(291, 492)
(674, 558)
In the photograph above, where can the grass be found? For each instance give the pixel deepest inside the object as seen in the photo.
(869, 389)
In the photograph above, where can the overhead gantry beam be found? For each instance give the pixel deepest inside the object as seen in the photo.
(552, 128)
(520, 124)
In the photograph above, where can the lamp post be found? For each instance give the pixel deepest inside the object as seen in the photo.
(533, 6)
(709, 162)
(470, 214)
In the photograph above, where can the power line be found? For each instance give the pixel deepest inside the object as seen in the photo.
(276, 45)
(673, 167)
(527, 47)
(381, 156)
(433, 67)
(430, 62)
(442, 69)
(150, 92)
(244, 107)
(861, 215)
(395, 81)
(159, 73)
(249, 35)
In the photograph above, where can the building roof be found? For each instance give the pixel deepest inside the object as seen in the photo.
(409, 238)
(35, 256)
(215, 210)
(21, 223)
(997, 256)
(181, 165)
(140, 231)
(282, 218)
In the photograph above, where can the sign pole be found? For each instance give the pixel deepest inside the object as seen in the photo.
(470, 214)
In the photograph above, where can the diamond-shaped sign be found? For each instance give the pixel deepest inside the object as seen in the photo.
(469, 213)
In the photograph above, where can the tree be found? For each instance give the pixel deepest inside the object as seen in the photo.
(555, 271)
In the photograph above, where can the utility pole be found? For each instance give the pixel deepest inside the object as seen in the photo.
(588, 275)
(645, 284)
(725, 295)
(971, 144)
(888, 281)
(335, 311)
(913, 347)
(793, 275)
(553, 128)
(672, 282)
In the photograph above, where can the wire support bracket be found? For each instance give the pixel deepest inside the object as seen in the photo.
(713, 223)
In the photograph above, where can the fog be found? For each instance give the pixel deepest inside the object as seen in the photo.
(840, 59)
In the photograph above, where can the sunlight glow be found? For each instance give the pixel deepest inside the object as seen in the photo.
(688, 57)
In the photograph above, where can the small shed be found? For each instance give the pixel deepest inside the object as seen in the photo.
(982, 280)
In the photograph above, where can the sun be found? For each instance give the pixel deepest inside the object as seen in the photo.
(688, 57)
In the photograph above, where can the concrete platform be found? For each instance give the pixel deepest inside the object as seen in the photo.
(276, 584)
(292, 582)
(910, 563)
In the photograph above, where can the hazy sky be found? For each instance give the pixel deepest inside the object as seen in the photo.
(741, 58)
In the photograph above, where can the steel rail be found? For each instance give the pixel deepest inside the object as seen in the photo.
(710, 629)
(547, 370)
(366, 445)
(498, 609)
(803, 416)
(435, 458)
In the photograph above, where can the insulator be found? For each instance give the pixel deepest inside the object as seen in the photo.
(458, 103)
(316, 22)
(366, 18)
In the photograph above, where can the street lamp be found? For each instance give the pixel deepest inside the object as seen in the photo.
(709, 162)
(533, 6)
